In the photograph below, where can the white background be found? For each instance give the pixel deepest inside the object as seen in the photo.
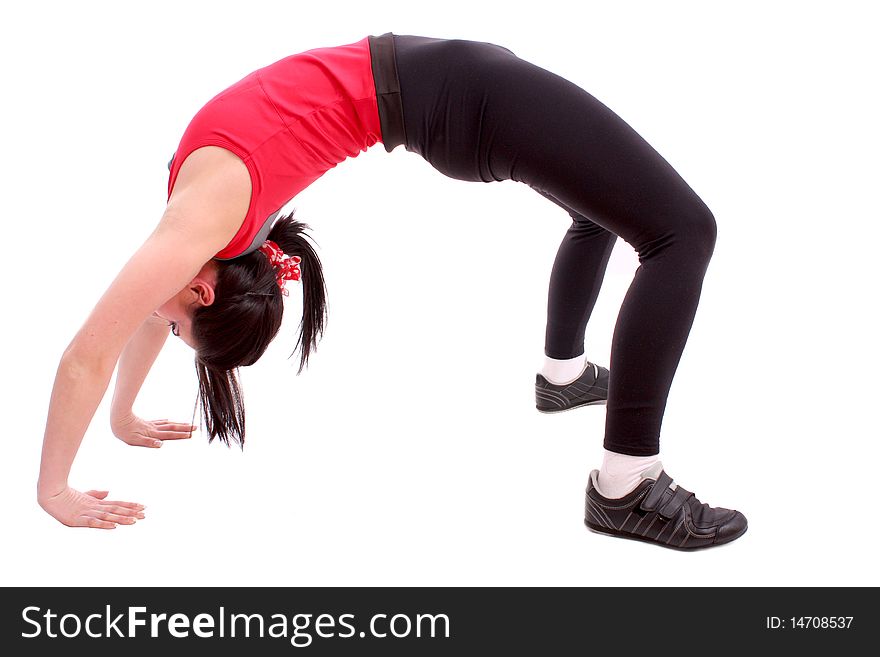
(410, 452)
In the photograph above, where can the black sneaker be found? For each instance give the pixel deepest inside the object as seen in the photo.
(591, 387)
(656, 513)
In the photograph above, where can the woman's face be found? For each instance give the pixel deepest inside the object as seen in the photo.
(178, 310)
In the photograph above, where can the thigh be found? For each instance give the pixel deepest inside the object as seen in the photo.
(559, 139)
(479, 112)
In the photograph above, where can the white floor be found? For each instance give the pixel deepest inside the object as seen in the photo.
(410, 452)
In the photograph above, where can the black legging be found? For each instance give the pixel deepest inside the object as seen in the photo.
(477, 112)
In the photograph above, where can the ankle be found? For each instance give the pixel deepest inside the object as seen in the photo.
(621, 473)
(564, 371)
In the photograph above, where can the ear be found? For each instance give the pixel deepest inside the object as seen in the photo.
(203, 290)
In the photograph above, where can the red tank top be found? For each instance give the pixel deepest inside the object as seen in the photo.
(289, 122)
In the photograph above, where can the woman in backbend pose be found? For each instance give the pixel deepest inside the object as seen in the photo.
(216, 266)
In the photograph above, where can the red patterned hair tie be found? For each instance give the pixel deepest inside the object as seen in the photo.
(286, 267)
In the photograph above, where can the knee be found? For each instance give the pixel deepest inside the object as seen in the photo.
(702, 232)
(688, 236)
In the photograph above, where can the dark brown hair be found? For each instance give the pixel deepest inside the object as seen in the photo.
(245, 317)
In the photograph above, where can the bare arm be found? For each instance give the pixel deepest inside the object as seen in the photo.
(202, 217)
(85, 369)
(134, 364)
(79, 387)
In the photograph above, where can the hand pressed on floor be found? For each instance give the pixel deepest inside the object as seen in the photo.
(90, 509)
(132, 430)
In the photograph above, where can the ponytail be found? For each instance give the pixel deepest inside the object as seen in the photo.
(289, 234)
(245, 317)
(220, 396)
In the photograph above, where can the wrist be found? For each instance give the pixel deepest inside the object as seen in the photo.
(50, 488)
(120, 416)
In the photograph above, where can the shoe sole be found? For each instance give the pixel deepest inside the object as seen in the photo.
(550, 411)
(633, 537)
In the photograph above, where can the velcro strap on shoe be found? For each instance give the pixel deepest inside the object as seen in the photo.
(653, 498)
(671, 508)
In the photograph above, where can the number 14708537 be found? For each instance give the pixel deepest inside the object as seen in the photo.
(809, 622)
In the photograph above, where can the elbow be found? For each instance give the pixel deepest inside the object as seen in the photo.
(80, 361)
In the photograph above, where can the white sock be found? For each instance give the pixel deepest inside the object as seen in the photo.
(562, 372)
(621, 473)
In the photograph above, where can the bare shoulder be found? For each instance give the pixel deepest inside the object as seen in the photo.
(212, 193)
(209, 203)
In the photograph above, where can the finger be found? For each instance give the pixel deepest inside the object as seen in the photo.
(142, 441)
(96, 523)
(121, 510)
(176, 426)
(130, 505)
(105, 516)
(100, 494)
(173, 435)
